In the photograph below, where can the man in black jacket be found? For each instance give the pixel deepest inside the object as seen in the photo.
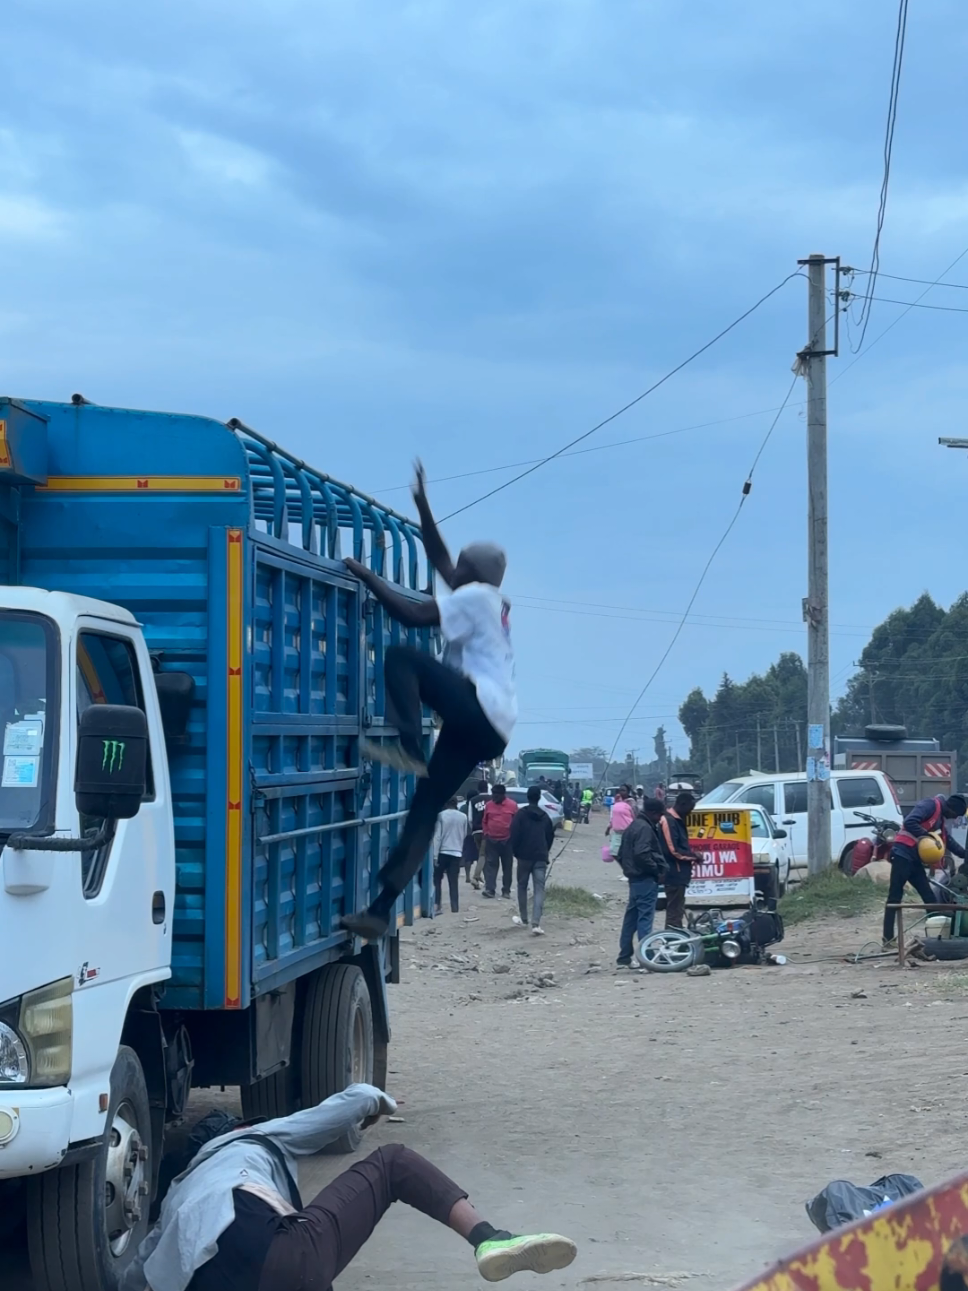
(532, 834)
(642, 862)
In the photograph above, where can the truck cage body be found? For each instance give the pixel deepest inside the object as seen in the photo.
(228, 550)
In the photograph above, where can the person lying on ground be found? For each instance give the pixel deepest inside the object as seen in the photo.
(234, 1221)
(471, 688)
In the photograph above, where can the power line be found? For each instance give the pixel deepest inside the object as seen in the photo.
(915, 304)
(895, 277)
(631, 404)
(599, 448)
(747, 486)
(880, 336)
(899, 39)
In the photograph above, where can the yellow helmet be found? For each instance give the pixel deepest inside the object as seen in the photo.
(931, 849)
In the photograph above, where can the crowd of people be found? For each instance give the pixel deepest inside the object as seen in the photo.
(486, 836)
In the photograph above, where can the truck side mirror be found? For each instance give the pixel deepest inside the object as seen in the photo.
(112, 759)
(779, 833)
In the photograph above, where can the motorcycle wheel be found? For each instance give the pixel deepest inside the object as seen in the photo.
(670, 951)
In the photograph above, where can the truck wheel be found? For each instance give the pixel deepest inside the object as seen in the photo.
(337, 1041)
(85, 1222)
(273, 1096)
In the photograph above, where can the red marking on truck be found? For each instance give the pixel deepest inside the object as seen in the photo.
(938, 770)
(142, 484)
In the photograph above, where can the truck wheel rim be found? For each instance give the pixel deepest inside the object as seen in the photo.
(125, 1179)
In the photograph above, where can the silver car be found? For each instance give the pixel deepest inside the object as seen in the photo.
(548, 803)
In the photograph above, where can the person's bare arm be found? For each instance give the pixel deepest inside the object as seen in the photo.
(434, 545)
(412, 614)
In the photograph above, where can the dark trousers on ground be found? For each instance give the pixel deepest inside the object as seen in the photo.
(905, 869)
(537, 872)
(449, 865)
(414, 678)
(675, 912)
(313, 1247)
(498, 852)
(639, 914)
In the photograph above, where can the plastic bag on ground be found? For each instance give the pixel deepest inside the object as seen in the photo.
(841, 1202)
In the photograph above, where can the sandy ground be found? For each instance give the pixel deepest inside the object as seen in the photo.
(673, 1126)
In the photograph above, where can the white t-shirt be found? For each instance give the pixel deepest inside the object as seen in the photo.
(450, 832)
(477, 642)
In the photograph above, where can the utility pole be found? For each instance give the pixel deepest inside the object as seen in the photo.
(776, 747)
(709, 756)
(813, 361)
(799, 748)
(737, 753)
(759, 746)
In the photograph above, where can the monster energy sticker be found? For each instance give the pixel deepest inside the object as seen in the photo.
(20, 773)
(112, 758)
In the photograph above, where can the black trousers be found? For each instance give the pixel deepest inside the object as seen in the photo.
(675, 911)
(313, 1247)
(905, 869)
(414, 678)
(497, 852)
(449, 866)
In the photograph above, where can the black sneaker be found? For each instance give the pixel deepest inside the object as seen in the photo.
(369, 926)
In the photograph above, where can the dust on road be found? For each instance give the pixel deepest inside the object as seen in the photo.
(673, 1126)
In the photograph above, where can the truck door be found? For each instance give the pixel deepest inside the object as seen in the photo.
(128, 885)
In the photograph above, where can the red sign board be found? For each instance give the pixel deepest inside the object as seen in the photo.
(722, 838)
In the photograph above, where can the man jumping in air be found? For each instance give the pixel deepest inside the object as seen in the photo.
(471, 688)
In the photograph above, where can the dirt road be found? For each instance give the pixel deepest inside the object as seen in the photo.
(673, 1126)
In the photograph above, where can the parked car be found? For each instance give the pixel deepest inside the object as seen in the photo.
(771, 847)
(548, 802)
(785, 798)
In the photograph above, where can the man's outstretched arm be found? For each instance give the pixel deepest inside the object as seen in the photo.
(424, 613)
(434, 545)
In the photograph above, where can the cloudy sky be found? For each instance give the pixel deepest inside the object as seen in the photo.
(471, 231)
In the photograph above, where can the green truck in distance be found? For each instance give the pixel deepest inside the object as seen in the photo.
(533, 764)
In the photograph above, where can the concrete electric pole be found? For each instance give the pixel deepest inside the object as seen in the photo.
(814, 363)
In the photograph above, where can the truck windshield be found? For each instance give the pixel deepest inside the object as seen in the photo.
(28, 691)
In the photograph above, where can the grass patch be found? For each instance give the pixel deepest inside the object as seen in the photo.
(832, 893)
(948, 983)
(572, 901)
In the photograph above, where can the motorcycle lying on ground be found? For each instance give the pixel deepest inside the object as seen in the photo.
(866, 850)
(713, 937)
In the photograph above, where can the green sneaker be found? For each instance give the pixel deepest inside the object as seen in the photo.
(537, 1253)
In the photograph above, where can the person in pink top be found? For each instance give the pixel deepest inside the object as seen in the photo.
(620, 817)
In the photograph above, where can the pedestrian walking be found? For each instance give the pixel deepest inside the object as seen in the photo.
(498, 815)
(471, 689)
(474, 842)
(449, 835)
(679, 857)
(234, 1220)
(587, 798)
(532, 834)
(928, 816)
(619, 819)
(641, 861)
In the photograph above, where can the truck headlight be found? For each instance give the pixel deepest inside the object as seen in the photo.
(47, 1027)
(14, 1067)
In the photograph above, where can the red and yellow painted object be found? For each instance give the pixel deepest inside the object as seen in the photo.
(234, 773)
(900, 1248)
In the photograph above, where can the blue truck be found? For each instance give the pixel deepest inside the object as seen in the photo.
(186, 670)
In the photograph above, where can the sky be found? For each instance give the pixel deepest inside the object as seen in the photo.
(379, 229)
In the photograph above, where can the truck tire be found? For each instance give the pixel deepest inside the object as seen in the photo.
(337, 1040)
(275, 1095)
(85, 1222)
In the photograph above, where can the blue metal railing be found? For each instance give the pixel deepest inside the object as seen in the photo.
(288, 495)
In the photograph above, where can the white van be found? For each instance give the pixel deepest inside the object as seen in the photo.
(785, 798)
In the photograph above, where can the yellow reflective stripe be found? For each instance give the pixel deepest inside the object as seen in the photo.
(140, 483)
(234, 775)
